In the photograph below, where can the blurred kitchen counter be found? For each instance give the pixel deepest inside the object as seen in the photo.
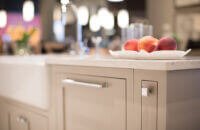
(92, 61)
(108, 61)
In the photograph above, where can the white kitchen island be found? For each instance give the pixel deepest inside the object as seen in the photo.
(86, 93)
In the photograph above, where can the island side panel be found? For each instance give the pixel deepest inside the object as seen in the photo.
(153, 76)
(183, 100)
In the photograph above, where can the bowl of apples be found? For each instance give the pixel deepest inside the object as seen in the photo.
(150, 48)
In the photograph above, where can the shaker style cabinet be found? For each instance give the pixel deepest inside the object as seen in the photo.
(25, 120)
(19, 118)
(94, 103)
(93, 98)
(106, 98)
(100, 98)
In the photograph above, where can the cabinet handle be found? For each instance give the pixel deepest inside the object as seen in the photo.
(84, 84)
(21, 119)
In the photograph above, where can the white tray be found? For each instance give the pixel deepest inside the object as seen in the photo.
(156, 55)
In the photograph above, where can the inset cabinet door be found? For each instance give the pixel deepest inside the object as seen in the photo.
(26, 120)
(149, 105)
(19, 122)
(93, 103)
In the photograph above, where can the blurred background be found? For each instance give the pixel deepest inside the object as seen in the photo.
(88, 26)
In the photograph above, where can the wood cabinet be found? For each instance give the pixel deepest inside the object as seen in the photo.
(100, 98)
(97, 98)
(18, 116)
(21, 119)
(94, 103)
(93, 98)
(149, 104)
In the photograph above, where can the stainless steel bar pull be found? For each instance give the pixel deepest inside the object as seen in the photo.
(84, 84)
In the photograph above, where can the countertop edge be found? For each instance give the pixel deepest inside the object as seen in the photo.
(162, 66)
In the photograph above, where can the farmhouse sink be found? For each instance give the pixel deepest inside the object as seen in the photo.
(25, 79)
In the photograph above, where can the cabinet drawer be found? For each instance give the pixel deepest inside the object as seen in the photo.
(25, 120)
(93, 103)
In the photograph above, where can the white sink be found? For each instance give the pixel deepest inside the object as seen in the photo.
(25, 79)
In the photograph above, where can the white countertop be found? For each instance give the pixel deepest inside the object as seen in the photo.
(30, 74)
(187, 63)
(32, 60)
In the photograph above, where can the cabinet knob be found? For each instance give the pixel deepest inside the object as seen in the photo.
(21, 119)
(146, 91)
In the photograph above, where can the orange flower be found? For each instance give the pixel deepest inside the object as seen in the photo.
(30, 29)
(9, 30)
(15, 32)
(35, 38)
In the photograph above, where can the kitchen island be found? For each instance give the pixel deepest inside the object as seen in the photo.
(89, 93)
(133, 94)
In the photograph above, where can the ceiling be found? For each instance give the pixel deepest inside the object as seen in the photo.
(131, 5)
(15, 5)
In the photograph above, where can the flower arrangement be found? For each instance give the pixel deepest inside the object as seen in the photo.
(22, 37)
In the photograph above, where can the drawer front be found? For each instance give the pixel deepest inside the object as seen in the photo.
(94, 103)
(25, 120)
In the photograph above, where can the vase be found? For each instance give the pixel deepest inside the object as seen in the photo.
(22, 50)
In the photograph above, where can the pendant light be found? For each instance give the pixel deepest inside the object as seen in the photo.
(3, 18)
(83, 15)
(110, 21)
(106, 18)
(94, 23)
(28, 10)
(102, 12)
(64, 2)
(123, 18)
(57, 13)
(115, 1)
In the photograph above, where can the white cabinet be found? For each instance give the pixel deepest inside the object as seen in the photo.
(94, 103)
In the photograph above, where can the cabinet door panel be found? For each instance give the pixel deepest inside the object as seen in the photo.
(19, 123)
(149, 105)
(26, 120)
(93, 108)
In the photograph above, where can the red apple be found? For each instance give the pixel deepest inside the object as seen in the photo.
(148, 43)
(167, 43)
(131, 45)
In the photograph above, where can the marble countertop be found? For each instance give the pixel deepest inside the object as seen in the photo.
(18, 60)
(186, 63)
